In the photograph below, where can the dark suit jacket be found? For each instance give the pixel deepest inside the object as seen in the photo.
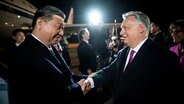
(37, 77)
(9, 51)
(153, 76)
(87, 57)
(159, 38)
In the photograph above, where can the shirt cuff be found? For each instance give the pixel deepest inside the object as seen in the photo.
(91, 82)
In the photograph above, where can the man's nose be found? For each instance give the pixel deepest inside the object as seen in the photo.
(122, 31)
(61, 32)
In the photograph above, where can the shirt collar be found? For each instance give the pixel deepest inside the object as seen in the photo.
(86, 41)
(17, 44)
(136, 49)
(38, 39)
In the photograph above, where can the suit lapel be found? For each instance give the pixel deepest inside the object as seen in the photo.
(59, 57)
(141, 54)
(64, 67)
(57, 62)
(42, 51)
(123, 57)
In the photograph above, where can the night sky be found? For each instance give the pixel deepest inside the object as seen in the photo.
(112, 9)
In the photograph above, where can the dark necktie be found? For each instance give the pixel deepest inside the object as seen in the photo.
(65, 68)
(53, 53)
(132, 52)
(131, 56)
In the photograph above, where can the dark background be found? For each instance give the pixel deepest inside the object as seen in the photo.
(164, 11)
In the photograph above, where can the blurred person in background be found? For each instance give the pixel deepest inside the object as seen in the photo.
(18, 37)
(62, 49)
(176, 30)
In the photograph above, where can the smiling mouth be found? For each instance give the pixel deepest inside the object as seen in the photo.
(122, 39)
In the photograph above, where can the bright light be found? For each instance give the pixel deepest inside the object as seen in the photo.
(95, 18)
(6, 23)
(18, 16)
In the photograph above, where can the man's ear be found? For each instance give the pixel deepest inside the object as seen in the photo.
(141, 28)
(40, 22)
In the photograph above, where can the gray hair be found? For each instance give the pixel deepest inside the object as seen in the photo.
(140, 17)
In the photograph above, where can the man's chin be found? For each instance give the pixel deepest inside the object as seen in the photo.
(125, 41)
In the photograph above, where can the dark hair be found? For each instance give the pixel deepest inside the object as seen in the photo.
(47, 13)
(14, 33)
(81, 32)
(158, 23)
(177, 23)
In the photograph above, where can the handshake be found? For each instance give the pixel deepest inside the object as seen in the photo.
(86, 84)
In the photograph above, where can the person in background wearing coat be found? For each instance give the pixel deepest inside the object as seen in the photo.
(61, 49)
(156, 34)
(176, 29)
(38, 75)
(153, 73)
(87, 64)
(86, 54)
(18, 37)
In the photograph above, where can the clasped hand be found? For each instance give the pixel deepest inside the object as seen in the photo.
(85, 85)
